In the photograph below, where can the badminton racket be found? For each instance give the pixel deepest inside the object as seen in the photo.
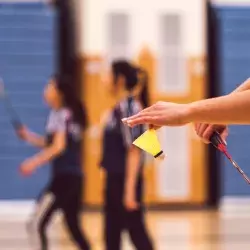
(13, 116)
(218, 143)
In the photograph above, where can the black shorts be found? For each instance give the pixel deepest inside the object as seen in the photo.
(65, 188)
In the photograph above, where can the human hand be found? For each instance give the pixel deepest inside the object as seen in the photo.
(161, 114)
(23, 133)
(28, 166)
(130, 202)
(205, 131)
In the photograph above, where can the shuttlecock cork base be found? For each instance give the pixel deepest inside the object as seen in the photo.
(149, 142)
(160, 155)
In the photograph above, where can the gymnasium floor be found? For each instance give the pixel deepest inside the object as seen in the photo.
(171, 230)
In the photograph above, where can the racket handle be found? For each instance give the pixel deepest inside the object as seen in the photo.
(216, 140)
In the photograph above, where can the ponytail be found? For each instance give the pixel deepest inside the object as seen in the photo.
(79, 112)
(136, 79)
(144, 93)
(71, 100)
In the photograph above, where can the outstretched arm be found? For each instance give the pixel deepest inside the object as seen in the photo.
(205, 130)
(245, 86)
(229, 109)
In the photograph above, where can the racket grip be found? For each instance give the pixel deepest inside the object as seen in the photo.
(216, 140)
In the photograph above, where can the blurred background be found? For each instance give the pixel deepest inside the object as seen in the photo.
(191, 50)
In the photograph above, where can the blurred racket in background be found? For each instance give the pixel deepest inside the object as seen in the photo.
(13, 116)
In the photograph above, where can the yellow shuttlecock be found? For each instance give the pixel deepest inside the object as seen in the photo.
(149, 142)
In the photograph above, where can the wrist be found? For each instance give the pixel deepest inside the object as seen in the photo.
(188, 113)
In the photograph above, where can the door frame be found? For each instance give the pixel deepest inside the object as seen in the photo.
(213, 89)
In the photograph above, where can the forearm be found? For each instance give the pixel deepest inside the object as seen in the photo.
(36, 140)
(132, 170)
(46, 155)
(229, 109)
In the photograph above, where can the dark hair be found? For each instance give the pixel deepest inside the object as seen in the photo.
(144, 95)
(133, 76)
(71, 100)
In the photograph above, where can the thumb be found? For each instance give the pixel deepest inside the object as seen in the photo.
(224, 136)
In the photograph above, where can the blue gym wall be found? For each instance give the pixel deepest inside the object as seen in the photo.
(27, 59)
(233, 24)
